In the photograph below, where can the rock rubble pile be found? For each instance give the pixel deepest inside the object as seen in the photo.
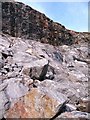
(37, 79)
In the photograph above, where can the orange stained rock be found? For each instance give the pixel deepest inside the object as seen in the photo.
(35, 104)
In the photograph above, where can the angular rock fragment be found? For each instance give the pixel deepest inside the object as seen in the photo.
(83, 105)
(35, 104)
(37, 69)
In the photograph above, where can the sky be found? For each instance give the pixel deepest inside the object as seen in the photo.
(73, 15)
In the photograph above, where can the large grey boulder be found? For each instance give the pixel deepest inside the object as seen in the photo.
(37, 69)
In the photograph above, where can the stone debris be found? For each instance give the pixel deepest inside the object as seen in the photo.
(59, 77)
(42, 65)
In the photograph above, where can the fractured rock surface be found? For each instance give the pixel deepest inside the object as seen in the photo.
(23, 67)
(36, 78)
(4, 101)
(35, 104)
(20, 20)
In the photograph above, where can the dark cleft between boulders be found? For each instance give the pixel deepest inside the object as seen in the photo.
(39, 73)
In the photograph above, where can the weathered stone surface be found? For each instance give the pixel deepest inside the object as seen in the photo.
(35, 104)
(50, 88)
(75, 115)
(20, 20)
(1, 63)
(4, 102)
(35, 77)
(58, 56)
(25, 22)
(37, 69)
(65, 78)
(2, 86)
(16, 90)
(84, 105)
(71, 107)
(62, 108)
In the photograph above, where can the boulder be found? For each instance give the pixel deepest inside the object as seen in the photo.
(37, 69)
(36, 104)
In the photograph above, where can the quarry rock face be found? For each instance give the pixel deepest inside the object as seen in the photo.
(20, 20)
(40, 80)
